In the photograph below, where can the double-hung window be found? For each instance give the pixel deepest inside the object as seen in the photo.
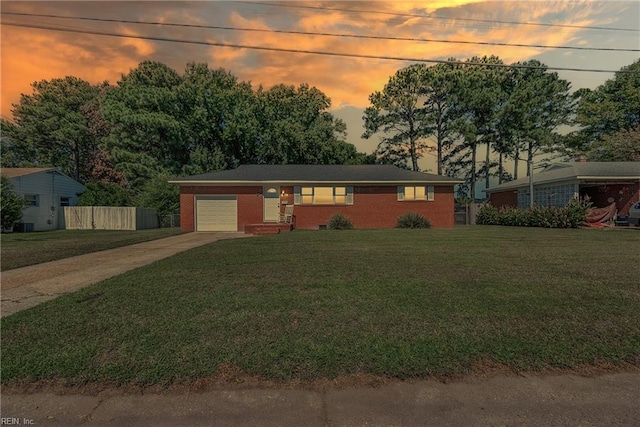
(323, 195)
(416, 192)
(32, 199)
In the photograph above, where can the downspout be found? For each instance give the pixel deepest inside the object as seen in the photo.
(52, 209)
(530, 167)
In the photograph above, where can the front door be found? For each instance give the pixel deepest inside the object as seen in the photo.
(271, 204)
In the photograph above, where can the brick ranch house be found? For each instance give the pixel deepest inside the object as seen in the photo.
(604, 183)
(372, 196)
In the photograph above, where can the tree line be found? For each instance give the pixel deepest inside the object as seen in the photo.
(453, 109)
(125, 141)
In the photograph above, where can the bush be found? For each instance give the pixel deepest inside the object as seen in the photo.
(12, 204)
(412, 220)
(570, 216)
(339, 222)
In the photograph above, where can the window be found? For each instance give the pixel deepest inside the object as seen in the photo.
(558, 195)
(323, 195)
(340, 195)
(307, 195)
(32, 199)
(416, 192)
(65, 201)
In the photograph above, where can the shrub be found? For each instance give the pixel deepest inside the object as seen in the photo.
(12, 204)
(577, 211)
(339, 222)
(570, 216)
(412, 220)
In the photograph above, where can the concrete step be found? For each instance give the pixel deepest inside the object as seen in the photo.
(264, 229)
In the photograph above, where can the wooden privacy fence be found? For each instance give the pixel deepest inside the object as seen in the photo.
(109, 218)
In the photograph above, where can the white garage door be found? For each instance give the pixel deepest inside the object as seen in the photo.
(216, 213)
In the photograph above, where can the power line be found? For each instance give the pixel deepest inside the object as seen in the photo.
(311, 52)
(355, 36)
(411, 15)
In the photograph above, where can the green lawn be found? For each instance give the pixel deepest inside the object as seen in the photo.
(23, 249)
(310, 305)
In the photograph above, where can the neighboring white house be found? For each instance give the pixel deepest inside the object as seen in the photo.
(46, 191)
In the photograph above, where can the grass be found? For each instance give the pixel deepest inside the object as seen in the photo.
(24, 249)
(312, 305)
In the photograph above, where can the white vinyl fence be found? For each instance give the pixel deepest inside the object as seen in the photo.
(109, 218)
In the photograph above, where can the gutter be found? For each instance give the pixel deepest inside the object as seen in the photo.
(307, 182)
(570, 180)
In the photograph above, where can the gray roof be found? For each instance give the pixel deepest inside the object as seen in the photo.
(305, 174)
(577, 172)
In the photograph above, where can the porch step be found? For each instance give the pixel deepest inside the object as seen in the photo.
(263, 229)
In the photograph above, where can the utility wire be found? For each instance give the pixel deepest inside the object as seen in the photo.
(312, 52)
(450, 18)
(355, 36)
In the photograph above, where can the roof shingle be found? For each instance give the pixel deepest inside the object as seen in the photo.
(16, 172)
(316, 173)
(574, 171)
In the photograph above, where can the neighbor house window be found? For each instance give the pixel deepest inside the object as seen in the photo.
(323, 195)
(32, 199)
(416, 192)
(65, 201)
(558, 195)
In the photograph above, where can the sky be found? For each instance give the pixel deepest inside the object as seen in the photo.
(30, 54)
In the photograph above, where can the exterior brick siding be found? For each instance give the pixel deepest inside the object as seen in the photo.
(624, 195)
(378, 207)
(373, 207)
(249, 204)
(504, 198)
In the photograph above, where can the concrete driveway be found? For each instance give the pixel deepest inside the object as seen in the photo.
(29, 286)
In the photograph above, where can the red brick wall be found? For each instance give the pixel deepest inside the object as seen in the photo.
(504, 198)
(249, 204)
(378, 207)
(624, 196)
(373, 207)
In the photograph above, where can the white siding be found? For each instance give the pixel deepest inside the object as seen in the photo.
(50, 187)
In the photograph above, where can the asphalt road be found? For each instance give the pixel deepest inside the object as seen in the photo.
(565, 400)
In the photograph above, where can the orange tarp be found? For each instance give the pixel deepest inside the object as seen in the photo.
(596, 217)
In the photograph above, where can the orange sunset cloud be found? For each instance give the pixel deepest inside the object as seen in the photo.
(30, 55)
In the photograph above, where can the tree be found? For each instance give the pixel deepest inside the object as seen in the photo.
(157, 193)
(622, 146)
(398, 112)
(437, 87)
(612, 107)
(11, 204)
(295, 127)
(52, 125)
(105, 194)
(476, 116)
(538, 104)
(14, 153)
(147, 127)
(220, 119)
